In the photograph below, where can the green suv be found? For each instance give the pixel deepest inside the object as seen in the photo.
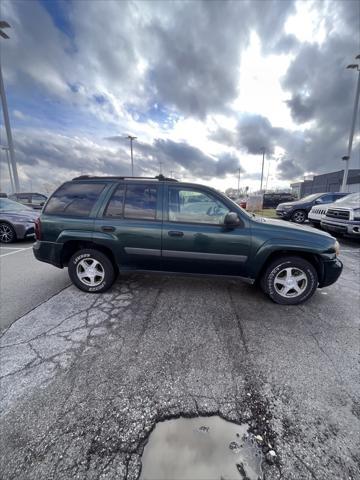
(100, 226)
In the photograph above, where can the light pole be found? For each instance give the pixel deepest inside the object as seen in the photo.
(131, 138)
(4, 24)
(6, 150)
(238, 190)
(262, 168)
(354, 66)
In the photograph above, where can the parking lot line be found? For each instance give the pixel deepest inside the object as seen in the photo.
(18, 250)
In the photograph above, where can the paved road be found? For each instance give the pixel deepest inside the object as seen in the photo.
(25, 282)
(85, 378)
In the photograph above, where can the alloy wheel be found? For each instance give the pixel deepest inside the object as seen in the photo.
(6, 233)
(290, 282)
(299, 217)
(90, 272)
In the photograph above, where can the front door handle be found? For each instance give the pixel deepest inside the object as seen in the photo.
(108, 228)
(175, 233)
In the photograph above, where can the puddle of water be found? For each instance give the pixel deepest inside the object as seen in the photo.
(200, 448)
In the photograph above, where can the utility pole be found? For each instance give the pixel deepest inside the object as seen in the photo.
(347, 157)
(10, 143)
(131, 138)
(160, 164)
(262, 168)
(238, 190)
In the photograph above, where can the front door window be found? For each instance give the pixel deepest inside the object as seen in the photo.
(194, 206)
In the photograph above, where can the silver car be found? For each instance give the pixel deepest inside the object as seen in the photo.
(16, 221)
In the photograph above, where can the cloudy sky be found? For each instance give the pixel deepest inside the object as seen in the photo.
(204, 85)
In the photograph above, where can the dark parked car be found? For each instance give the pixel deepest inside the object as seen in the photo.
(272, 200)
(16, 221)
(99, 226)
(3, 195)
(298, 210)
(33, 200)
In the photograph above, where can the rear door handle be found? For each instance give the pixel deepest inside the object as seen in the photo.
(108, 228)
(175, 233)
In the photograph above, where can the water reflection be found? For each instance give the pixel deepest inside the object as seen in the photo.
(206, 448)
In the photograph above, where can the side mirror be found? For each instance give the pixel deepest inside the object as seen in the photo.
(231, 219)
(318, 200)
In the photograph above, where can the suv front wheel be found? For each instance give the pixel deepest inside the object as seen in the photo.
(299, 216)
(289, 280)
(91, 271)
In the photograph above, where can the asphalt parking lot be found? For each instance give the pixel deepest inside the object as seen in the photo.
(85, 378)
(25, 282)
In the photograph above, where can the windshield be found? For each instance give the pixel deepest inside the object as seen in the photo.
(353, 198)
(6, 204)
(311, 197)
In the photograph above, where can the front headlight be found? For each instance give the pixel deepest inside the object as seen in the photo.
(356, 213)
(337, 248)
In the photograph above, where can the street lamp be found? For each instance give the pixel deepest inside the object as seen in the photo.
(131, 138)
(10, 143)
(262, 168)
(353, 66)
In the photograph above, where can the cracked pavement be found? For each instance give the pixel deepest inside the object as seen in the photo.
(85, 378)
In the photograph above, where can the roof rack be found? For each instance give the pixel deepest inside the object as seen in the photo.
(160, 178)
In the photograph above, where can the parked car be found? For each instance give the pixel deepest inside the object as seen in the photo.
(298, 210)
(99, 226)
(16, 221)
(3, 195)
(272, 200)
(33, 200)
(318, 211)
(343, 216)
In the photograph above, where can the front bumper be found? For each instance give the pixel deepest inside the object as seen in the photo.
(48, 252)
(285, 214)
(331, 272)
(350, 227)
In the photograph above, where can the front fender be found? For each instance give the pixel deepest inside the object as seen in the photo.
(276, 245)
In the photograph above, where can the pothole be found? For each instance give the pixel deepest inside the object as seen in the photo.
(199, 448)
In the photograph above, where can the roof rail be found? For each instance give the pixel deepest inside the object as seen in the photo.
(160, 177)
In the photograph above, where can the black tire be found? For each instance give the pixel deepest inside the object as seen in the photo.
(7, 233)
(271, 281)
(102, 271)
(299, 216)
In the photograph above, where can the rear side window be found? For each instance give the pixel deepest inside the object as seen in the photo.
(115, 207)
(75, 199)
(140, 202)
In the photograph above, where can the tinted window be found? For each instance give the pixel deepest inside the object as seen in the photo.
(38, 199)
(326, 198)
(74, 199)
(140, 202)
(195, 207)
(336, 196)
(116, 204)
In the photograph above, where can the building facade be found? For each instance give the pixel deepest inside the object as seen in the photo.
(327, 182)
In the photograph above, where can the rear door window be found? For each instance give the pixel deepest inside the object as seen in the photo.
(75, 199)
(140, 202)
(115, 207)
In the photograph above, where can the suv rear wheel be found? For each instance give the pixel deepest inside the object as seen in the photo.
(289, 280)
(91, 271)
